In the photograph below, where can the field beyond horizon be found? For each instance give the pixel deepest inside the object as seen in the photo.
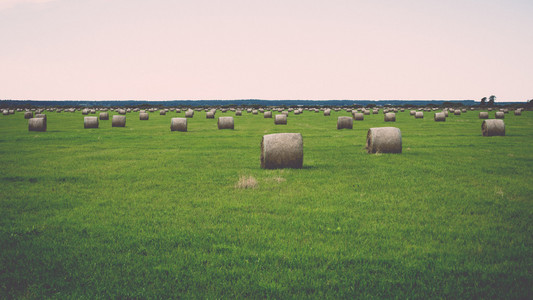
(143, 212)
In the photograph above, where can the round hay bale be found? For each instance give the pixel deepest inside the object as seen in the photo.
(457, 112)
(327, 112)
(144, 116)
(366, 112)
(390, 117)
(254, 112)
(445, 113)
(92, 111)
(358, 116)
(189, 113)
(375, 111)
(225, 123)
(118, 121)
(104, 116)
(267, 115)
(90, 122)
(344, 123)
(419, 115)
(518, 112)
(384, 140)
(29, 115)
(282, 150)
(500, 115)
(238, 113)
(280, 119)
(483, 115)
(85, 112)
(440, 117)
(209, 115)
(493, 128)
(162, 112)
(37, 124)
(178, 124)
(412, 112)
(178, 110)
(122, 111)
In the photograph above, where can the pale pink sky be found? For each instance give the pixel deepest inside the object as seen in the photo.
(266, 49)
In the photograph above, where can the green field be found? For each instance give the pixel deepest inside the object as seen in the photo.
(143, 212)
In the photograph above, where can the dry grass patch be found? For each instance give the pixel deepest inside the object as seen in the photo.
(246, 182)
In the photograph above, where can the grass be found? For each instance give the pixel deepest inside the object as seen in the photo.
(143, 212)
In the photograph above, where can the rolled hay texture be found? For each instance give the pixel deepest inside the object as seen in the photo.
(375, 111)
(122, 111)
(29, 115)
(419, 115)
(493, 128)
(118, 121)
(178, 124)
(327, 112)
(518, 112)
(90, 122)
(280, 119)
(37, 124)
(445, 113)
(366, 112)
(225, 123)
(104, 116)
(40, 116)
(457, 112)
(344, 123)
(238, 113)
(500, 115)
(162, 112)
(282, 150)
(412, 113)
(390, 117)
(267, 114)
(440, 117)
(358, 116)
(384, 140)
(254, 112)
(85, 112)
(189, 113)
(209, 115)
(144, 116)
(483, 115)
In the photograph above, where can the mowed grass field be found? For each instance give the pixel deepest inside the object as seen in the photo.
(143, 212)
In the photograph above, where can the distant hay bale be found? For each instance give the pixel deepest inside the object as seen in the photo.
(37, 124)
(144, 116)
(457, 112)
(282, 150)
(366, 112)
(209, 115)
(178, 124)
(121, 111)
(90, 122)
(493, 128)
(178, 110)
(28, 115)
(500, 115)
(483, 115)
(189, 113)
(327, 112)
(440, 117)
(85, 112)
(104, 116)
(162, 112)
(118, 121)
(344, 123)
(384, 140)
(358, 116)
(267, 114)
(280, 119)
(518, 112)
(225, 123)
(238, 113)
(390, 117)
(412, 112)
(254, 112)
(419, 115)
(92, 111)
(375, 111)
(445, 113)
(464, 110)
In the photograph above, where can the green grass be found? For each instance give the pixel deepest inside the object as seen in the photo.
(143, 212)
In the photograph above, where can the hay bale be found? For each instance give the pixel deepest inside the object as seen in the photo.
(122, 111)
(37, 124)
(384, 140)
(500, 115)
(344, 123)
(189, 113)
(493, 128)
(483, 115)
(518, 112)
(104, 116)
(390, 117)
(280, 119)
(457, 112)
(327, 112)
(178, 124)
(29, 115)
(162, 112)
(366, 112)
(445, 113)
(225, 123)
(85, 112)
(419, 115)
(267, 115)
(210, 115)
(282, 150)
(358, 116)
(238, 112)
(90, 122)
(375, 111)
(440, 117)
(254, 112)
(118, 121)
(412, 112)
(144, 116)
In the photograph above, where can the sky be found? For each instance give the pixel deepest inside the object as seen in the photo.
(257, 49)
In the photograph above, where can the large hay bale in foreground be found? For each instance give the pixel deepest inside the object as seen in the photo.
(90, 122)
(419, 115)
(358, 116)
(384, 140)
(483, 115)
(28, 115)
(178, 124)
(37, 124)
(440, 117)
(104, 116)
(282, 150)
(118, 121)
(500, 115)
(390, 117)
(344, 123)
(493, 128)
(267, 114)
(280, 119)
(225, 123)
(144, 116)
